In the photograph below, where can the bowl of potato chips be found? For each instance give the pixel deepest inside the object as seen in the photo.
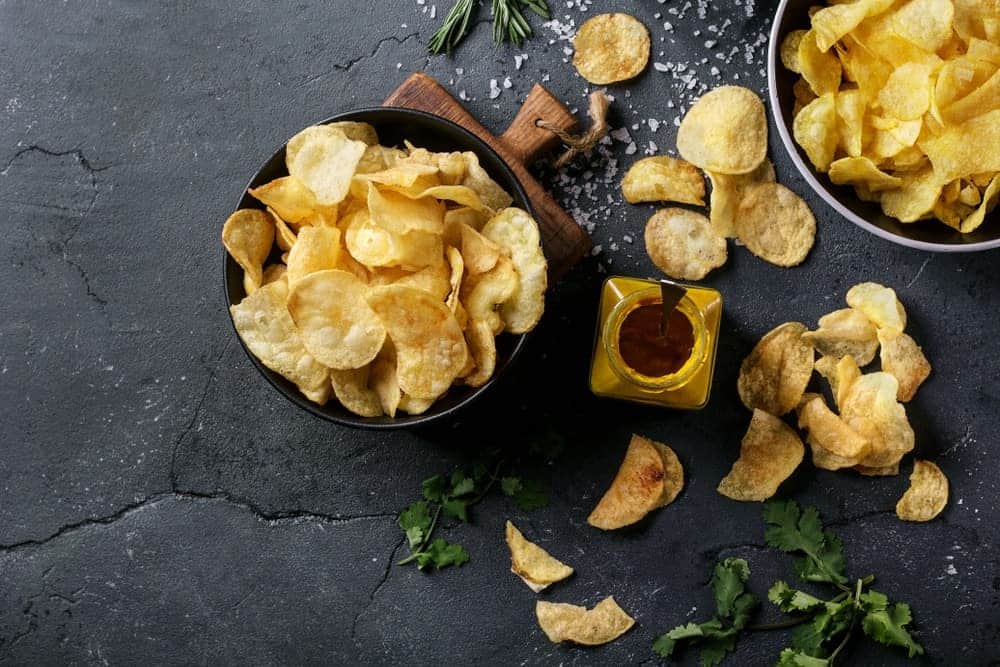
(383, 268)
(891, 112)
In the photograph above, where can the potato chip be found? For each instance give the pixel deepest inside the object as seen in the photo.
(803, 96)
(769, 454)
(862, 171)
(904, 360)
(274, 272)
(490, 193)
(338, 327)
(851, 106)
(403, 177)
(663, 178)
(831, 23)
(415, 406)
(840, 374)
(957, 151)
(434, 279)
(845, 332)
(774, 375)
(400, 214)
(456, 265)
(725, 131)
(351, 389)
(248, 236)
(789, 50)
(324, 159)
(267, 329)
(430, 348)
(357, 131)
(683, 244)
(517, 232)
(815, 129)
(464, 215)
(927, 495)
(819, 68)
(834, 444)
(650, 476)
(588, 627)
(611, 48)
(383, 380)
(907, 93)
(983, 98)
(315, 249)
(289, 197)
(533, 564)
(374, 246)
(776, 224)
(926, 23)
(318, 395)
(727, 193)
(879, 304)
(479, 253)
(482, 294)
(283, 235)
(871, 409)
(883, 471)
(989, 200)
(483, 352)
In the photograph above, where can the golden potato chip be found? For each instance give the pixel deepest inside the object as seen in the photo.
(725, 131)
(434, 279)
(983, 98)
(315, 249)
(267, 329)
(324, 159)
(588, 627)
(776, 224)
(400, 214)
(789, 50)
(926, 23)
(456, 264)
(727, 193)
(774, 375)
(819, 67)
(871, 409)
(289, 197)
(845, 332)
(283, 235)
(769, 454)
(357, 131)
(479, 253)
(815, 129)
(840, 374)
(650, 476)
(351, 389)
(862, 171)
(957, 151)
(904, 360)
(403, 177)
(338, 327)
(907, 93)
(517, 232)
(464, 215)
(483, 293)
(611, 48)
(834, 444)
(415, 406)
(533, 564)
(274, 272)
(490, 193)
(683, 244)
(383, 380)
(319, 395)
(879, 304)
(927, 495)
(663, 178)
(248, 236)
(851, 106)
(831, 23)
(482, 350)
(988, 202)
(430, 348)
(374, 246)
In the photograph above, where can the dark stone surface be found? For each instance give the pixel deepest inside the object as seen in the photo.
(162, 504)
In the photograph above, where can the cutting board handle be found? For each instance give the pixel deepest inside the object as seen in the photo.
(524, 138)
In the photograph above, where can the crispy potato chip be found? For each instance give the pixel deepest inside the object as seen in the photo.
(483, 293)
(845, 332)
(840, 374)
(464, 215)
(683, 244)
(957, 151)
(650, 476)
(988, 202)
(267, 329)
(357, 131)
(383, 380)
(851, 106)
(769, 454)
(533, 564)
(904, 360)
(490, 193)
(374, 246)
(832, 23)
(776, 224)
(879, 304)
(862, 171)
(415, 406)
(483, 352)
(727, 193)
(611, 48)
(400, 214)
(315, 249)
(725, 131)
(289, 197)
(456, 264)
(274, 272)
(790, 50)
(479, 253)
(589, 627)
(983, 98)
(774, 375)
(430, 348)
(324, 159)
(248, 236)
(663, 178)
(834, 444)
(517, 232)
(434, 279)
(338, 327)
(907, 93)
(927, 495)
(815, 129)
(283, 235)
(926, 23)
(351, 389)
(870, 408)
(819, 68)
(319, 395)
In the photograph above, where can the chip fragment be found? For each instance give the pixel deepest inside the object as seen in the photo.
(683, 244)
(725, 131)
(588, 627)
(927, 495)
(769, 454)
(533, 564)
(663, 178)
(775, 374)
(776, 224)
(611, 48)
(903, 359)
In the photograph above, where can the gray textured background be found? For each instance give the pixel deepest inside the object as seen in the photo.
(161, 503)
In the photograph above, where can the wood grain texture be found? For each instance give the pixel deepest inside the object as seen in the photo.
(563, 241)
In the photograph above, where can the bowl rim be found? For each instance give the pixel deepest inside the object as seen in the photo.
(806, 170)
(519, 340)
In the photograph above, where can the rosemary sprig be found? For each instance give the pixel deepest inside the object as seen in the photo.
(509, 22)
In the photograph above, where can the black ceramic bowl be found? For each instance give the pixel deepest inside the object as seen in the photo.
(924, 235)
(393, 126)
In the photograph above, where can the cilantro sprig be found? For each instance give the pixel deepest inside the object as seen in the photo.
(822, 627)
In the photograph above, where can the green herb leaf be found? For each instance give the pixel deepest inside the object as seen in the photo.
(728, 582)
(415, 520)
(793, 530)
(792, 658)
(461, 484)
(887, 623)
(832, 620)
(789, 600)
(743, 609)
(527, 494)
(434, 488)
(715, 647)
(440, 553)
(456, 509)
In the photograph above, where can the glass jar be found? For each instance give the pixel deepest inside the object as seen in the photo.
(686, 387)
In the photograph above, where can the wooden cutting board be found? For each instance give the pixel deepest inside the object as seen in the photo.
(563, 241)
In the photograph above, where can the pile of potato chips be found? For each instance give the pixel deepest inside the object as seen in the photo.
(610, 48)
(399, 267)
(725, 134)
(902, 101)
(869, 433)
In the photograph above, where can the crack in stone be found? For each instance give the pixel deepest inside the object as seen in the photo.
(378, 586)
(346, 66)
